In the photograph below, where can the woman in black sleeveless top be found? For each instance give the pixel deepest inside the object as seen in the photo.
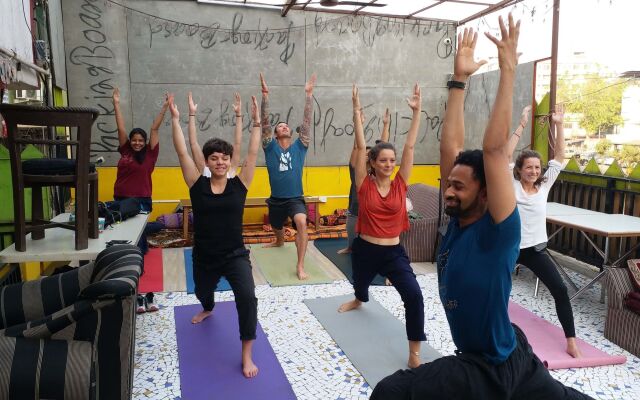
(218, 206)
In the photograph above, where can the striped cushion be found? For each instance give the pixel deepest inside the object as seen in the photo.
(634, 273)
(45, 369)
(421, 239)
(622, 326)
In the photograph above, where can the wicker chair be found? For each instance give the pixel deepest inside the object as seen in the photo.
(622, 326)
(421, 239)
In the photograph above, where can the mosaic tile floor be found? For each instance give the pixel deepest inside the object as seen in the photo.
(317, 368)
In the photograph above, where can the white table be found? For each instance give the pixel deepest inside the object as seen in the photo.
(598, 223)
(59, 244)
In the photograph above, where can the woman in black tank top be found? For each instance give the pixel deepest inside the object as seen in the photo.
(218, 205)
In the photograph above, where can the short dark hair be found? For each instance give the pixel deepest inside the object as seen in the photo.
(473, 159)
(373, 154)
(216, 145)
(140, 132)
(520, 162)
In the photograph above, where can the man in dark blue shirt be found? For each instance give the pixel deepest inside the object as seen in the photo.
(477, 255)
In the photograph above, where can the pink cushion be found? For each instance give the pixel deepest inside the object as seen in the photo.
(634, 274)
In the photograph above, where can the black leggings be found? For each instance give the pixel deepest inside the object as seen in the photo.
(238, 273)
(541, 264)
(369, 259)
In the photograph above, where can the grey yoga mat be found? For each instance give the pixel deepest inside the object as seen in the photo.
(374, 340)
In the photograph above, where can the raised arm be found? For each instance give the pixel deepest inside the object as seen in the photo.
(515, 137)
(354, 151)
(495, 146)
(452, 140)
(360, 164)
(305, 129)
(122, 133)
(386, 121)
(249, 166)
(196, 150)
(237, 142)
(189, 171)
(558, 119)
(155, 137)
(415, 103)
(267, 133)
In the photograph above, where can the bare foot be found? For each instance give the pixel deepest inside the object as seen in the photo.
(346, 250)
(387, 282)
(414, 360)
(249, 369)
(302, 275)
(201, 316)
(274, 244)
(350, 305)
(572, 348)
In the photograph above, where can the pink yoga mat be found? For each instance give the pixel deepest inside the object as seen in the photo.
(549, 343)
(151, 280)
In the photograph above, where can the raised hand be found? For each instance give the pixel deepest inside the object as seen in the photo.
(116, 96)
(387, 117)
(558, 115)
(193, 108)
(265, 89)
(415, 101)
(308, 87)
(167, 97)
(175, 114)
(255, 115)
(464, 63)
(355, 98)
(237, 105)
(524, 118)
(507, 45)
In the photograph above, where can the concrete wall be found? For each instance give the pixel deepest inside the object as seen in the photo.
(215, 50)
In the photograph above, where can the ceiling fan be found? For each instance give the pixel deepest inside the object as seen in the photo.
(333, 3)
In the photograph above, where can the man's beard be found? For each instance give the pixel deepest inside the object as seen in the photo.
(459, 212)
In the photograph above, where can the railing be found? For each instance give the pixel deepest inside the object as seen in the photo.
(608, 194)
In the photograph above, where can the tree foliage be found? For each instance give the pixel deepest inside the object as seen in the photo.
(603, 146)
(598, 101)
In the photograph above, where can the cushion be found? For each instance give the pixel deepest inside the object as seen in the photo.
(634, 274)
(52, 166)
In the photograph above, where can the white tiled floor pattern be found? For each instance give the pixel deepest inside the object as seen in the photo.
(317, 368)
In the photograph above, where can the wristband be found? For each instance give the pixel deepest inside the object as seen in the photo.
(192, 115)
(456, 85)
(257, 124)
(516, 135)
(238, 116)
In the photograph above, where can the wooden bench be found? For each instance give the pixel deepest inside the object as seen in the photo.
(251, 202)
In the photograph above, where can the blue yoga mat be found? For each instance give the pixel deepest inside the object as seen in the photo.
(223, 284)
(209, 358)
(329, 248)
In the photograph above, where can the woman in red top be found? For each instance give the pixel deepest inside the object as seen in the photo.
(382, 216)
(133, 180)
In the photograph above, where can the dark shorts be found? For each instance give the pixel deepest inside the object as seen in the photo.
(280, 209)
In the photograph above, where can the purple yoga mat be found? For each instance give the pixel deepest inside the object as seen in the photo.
(210, 362)
(549, 343)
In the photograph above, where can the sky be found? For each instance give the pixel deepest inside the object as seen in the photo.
(605, 30)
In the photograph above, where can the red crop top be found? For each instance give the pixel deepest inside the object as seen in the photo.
(382, 217)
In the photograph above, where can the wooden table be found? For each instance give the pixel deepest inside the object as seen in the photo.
(59, 244)
(251, 202)
(598, 223)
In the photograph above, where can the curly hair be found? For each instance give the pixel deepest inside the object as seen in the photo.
(473, 159)
(520, 162)
(216, 145)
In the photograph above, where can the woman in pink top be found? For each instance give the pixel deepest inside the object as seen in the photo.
(382, 216)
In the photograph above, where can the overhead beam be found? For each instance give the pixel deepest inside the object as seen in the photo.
(425, 8)
(489, 10)
(553, 85)
(287, 7)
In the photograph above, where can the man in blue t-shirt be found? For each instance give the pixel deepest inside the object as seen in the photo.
(477, 255)
(285, 159)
